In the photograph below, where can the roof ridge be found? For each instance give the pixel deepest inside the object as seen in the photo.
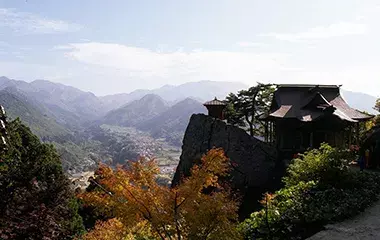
(308, 85)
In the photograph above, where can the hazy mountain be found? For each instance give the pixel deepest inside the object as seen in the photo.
(36, 117)
(172, 123)
(62, 115)
(360, 101)
(45, 126)
(70, 105)
(137, 111)
(201, 91)
(85, 104)
(118, 100)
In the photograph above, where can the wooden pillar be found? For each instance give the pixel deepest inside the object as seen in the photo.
(270, 131)
(349, 136)
(265, 131)
(311, 139)
(357, 133)
(334, 139)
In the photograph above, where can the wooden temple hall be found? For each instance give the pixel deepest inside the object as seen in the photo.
(304, 116)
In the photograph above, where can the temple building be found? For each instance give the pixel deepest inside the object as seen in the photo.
(215, 108)
(304, 116)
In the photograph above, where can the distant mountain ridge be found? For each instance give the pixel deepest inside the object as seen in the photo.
(201, 91)
(61, 98)
(360, 101)
(71, 106)
(152, 114)
(72, 119)
(136, 111)
(172, 123)
(87, 105)
(46, 127)
(39, 120)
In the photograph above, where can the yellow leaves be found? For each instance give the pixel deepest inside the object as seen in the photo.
(168, 213)
(114, 229)
(369, 125)
(268, 197)
(215, 162)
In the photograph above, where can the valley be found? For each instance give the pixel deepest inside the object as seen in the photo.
(87, 129)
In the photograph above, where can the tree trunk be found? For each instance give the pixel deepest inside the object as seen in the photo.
(250, 123)
(251, 129)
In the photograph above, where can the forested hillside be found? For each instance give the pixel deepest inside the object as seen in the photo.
(87, 129)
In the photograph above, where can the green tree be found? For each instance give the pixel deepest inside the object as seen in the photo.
(377, 105)
(320, 187)
(376, 120)
(36, 201)
(245, 107)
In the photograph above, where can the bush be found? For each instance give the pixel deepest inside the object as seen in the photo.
(319, 188)
(36, 201)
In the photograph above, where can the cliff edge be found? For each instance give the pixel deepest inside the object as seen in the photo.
(254, 161)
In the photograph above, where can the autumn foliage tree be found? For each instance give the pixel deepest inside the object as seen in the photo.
(201, 207)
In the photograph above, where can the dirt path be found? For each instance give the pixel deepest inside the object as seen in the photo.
(364, 226)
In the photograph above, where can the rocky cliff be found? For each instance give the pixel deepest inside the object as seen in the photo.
(255, 168)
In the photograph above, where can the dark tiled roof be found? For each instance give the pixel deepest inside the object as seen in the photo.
(307, 86)
(311, 102)
(215, 102)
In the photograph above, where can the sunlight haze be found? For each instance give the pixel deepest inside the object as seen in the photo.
(109, 47)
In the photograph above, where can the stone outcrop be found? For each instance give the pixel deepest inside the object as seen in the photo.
(254, 160)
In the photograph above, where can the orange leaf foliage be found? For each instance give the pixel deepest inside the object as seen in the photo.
(111, 229)
(184, 212)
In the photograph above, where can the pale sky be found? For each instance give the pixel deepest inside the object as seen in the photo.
(119, 45)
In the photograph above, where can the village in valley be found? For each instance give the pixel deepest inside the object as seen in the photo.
(189, 120)
(276, 138)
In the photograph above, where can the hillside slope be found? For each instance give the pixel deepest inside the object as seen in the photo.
(138, 111)
(360, 101)
(72, 106)
(36, 117)
(172, 123)
(44, 125)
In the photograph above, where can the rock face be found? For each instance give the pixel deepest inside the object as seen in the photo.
(255, 161)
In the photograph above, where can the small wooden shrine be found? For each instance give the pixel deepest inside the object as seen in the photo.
(215, 108)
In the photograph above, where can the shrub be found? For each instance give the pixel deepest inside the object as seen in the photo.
(319, 188)
(36, 201)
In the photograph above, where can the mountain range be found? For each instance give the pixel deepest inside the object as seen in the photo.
(79, 123)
